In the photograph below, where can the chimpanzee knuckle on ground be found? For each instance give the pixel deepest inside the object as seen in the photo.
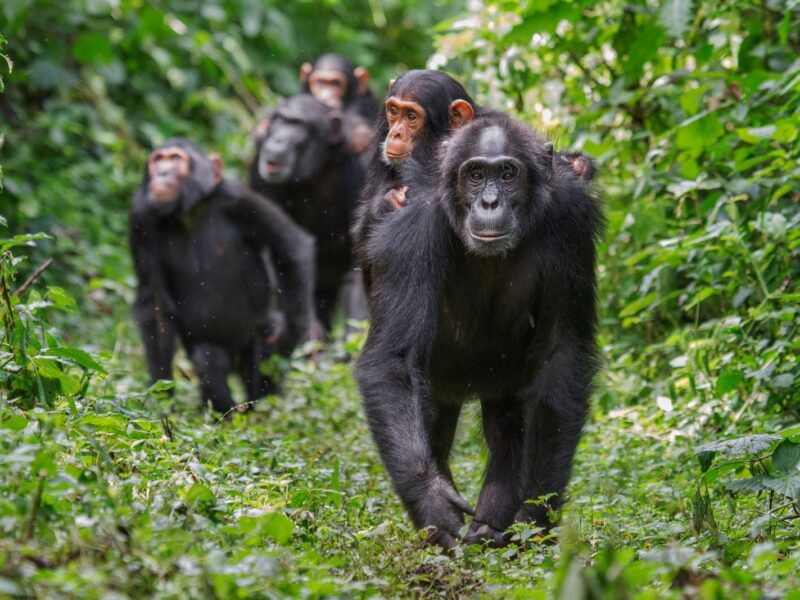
(481, 533)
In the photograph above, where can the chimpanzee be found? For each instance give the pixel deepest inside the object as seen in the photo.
(421, 107)
(303, 163)
(333, 80)
(483, 287)
(202, 246)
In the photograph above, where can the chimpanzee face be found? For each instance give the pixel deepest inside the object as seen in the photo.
(492, 196)
(411, 126)
(168, 168)
(329, 87)
(282, 148)
(406, 121)
(298, 140)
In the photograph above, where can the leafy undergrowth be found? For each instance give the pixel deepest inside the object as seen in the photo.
(134, 494)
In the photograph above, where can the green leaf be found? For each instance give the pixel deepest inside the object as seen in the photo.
(754, 135)
(788, 486)
(93, 48)
(699, 133)
(15, 423)
(675, 15)
(112, 423)
(22, 240)
(727, 382)
(638, 305)
(705, 459)
(703, 294)
(199, 493)
(748, 445)
(786, 456)
(277, 526)
(77, 356)
(61, 299)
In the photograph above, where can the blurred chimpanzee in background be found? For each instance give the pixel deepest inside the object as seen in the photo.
(304, 163)
(202, 248)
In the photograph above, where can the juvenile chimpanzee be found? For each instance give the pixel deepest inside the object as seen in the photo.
(421, 107)
(483, 287)
(201, 247)
(303, 163)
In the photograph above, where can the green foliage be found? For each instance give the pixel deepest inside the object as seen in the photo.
(108, 489)
(36, 368)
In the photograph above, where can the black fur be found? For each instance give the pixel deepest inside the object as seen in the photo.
(203, 277)
(319, 188)
(514, 330)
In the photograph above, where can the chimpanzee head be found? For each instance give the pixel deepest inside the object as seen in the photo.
(334, 81)
(179, 174)
(297, 141)
(495, 181)
(420, 108)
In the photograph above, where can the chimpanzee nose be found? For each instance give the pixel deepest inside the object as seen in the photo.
(489, 199)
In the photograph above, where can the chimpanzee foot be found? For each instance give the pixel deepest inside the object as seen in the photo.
(480, 533)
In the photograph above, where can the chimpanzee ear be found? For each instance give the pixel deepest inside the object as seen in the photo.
(305, 71)
(217, 166)
(461, 113)
(261, 128)
(335, 128)
(362, 75)
(548, 156)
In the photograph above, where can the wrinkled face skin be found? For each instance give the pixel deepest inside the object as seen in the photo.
(168, 168)
(406, 121)
(329, 87)
(282, 148)
(492, 197)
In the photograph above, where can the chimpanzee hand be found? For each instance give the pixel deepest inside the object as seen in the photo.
(395, 198)
(442, 508)
(360, 138)
(479, 533)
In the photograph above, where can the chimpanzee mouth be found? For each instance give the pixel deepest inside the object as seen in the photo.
(273, 166)
(489, 235)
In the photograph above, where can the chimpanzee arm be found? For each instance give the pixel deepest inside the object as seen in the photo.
(292, 249)
(409, 255)
(153, 307)
(557, 399)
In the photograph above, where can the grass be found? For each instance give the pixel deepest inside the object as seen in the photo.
(131, 494)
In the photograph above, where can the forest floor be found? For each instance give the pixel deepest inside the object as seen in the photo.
(133, 494)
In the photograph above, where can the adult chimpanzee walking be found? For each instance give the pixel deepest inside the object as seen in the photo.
(483, 287)
(202, 247)
(303, 162)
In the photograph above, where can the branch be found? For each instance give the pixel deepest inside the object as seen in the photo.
(32, 279)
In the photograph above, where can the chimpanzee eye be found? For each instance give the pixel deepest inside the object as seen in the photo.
(509, 174)
(392, 110)
(412, 116)
(476, 175)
